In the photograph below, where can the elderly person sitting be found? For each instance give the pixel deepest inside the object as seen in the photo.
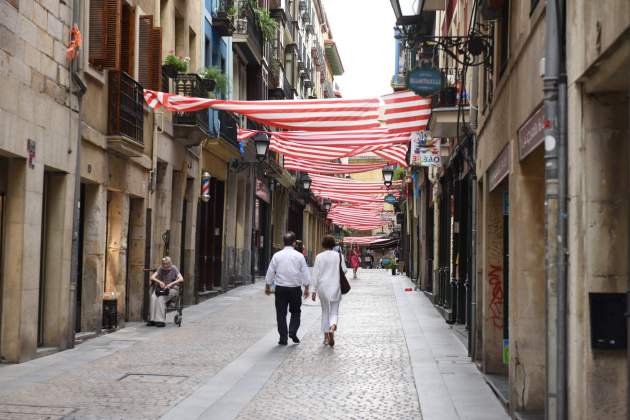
(166, 280)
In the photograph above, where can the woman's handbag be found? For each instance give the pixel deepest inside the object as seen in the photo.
(161, 292)
(344, 285)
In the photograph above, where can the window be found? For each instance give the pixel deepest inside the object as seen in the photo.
(149, 54)
(503, 39)
(104, 33)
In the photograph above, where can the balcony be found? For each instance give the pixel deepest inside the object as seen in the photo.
(125, 115)
(222, 22)
(190, 128)
(248, 37)
(281, 10)
(446, 105)
(228, 123)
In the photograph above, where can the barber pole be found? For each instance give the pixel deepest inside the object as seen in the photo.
(205, 187)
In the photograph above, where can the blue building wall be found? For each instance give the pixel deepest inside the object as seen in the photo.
(216, 52)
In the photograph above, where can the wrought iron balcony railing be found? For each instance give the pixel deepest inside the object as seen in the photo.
(246, 25)
(228, 123)
(191, 85)
(451, 95)
(125, 107)
(222, 22)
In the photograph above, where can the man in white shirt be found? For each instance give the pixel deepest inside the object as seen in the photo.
(289, 270)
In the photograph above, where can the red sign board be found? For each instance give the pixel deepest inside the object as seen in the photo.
(531, 134)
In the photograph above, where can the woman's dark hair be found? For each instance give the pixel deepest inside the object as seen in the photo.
(299, 246)
(328, 242)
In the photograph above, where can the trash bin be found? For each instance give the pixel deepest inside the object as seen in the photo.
(110, 311)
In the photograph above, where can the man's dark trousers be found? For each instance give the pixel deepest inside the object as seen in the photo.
(291, 297)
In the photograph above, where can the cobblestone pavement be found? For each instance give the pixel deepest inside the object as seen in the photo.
(224, 363)
(366, 375)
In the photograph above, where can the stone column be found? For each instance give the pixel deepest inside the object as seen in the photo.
(21, 260)
(527, 283)
(177, 207)
(248, 227)
(190, 245)
(94, 241)
(56, 254)
(162, 211)
(229, 221)
(117, 231)
(137, 242)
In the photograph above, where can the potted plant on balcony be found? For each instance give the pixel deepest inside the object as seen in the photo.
(174, 64)
(214, 79)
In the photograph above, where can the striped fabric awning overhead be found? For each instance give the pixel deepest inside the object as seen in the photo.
(400, 112)
(406, 112)
(391, 152)
(322, 167)
(363, 240)
(332, 183)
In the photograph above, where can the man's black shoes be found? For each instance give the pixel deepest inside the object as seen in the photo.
(160, 324)
(295, 338)
(282, 342)
(151, 324)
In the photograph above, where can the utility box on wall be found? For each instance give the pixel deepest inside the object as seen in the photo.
(608, 320)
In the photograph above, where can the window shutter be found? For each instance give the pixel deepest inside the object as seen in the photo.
(97, 33)
(156, 59)
(104, 37)
(113, 9)
(144, 50)
(127, 41)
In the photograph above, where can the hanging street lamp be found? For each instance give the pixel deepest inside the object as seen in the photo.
(306, 182)
(261, 141)
(327, 205)
(388, 175)
(205, 187)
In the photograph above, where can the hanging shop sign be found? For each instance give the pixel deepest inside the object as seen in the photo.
(425, 150)
(531, 134)
(390, 198)
(262, 191)
(499, 168)
(425, 81)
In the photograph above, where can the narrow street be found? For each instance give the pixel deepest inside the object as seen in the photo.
(395, 358)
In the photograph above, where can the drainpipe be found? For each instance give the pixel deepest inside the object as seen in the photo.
(80, 87)
(555, 92)
(472, 336)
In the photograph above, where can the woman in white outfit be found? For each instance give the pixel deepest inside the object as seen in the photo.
(326, 284)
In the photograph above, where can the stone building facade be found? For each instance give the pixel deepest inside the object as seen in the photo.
(38, 145)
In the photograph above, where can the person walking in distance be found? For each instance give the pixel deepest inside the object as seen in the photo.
(289, 271)
(326, 285)
(355, 259)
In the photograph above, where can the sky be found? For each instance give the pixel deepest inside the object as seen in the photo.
(363, 31)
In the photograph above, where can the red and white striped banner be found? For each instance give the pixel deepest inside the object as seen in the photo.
(400, 112)
(405, 112)
(331, 168)
(363, 240)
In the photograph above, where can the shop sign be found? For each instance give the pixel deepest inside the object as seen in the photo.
(262, 191)
(390, 198)
(499, 168)
(425, 81)
(425, 150)
(531, 134)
